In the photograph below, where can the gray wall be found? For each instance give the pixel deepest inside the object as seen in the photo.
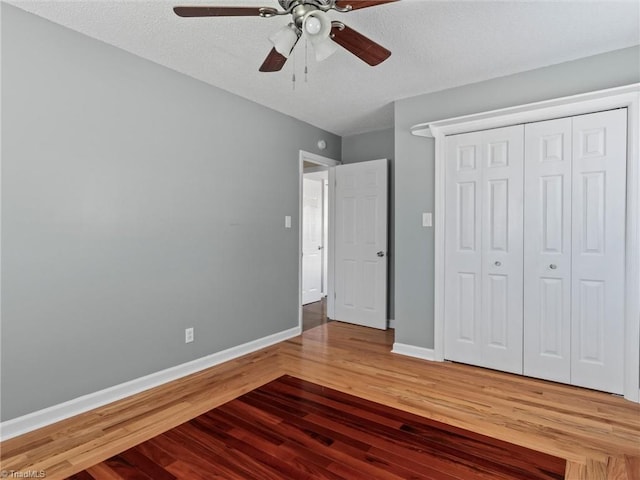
(372, 146)
(136, 202)
(414, 167)
(368, 146)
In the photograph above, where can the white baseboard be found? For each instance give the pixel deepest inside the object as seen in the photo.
(47, 416)
(413, 351)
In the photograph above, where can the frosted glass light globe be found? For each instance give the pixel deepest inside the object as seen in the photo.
(312, 25)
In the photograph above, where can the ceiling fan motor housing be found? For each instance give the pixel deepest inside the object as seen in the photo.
(301, 11)
(287, 4)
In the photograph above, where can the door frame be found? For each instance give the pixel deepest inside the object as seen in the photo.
(619, 97)
(321, 161)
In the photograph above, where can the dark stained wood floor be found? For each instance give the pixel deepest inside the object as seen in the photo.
(294, 429)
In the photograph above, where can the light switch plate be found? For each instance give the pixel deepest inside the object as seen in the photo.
(188, 335)
(427, 219)
(287, 221)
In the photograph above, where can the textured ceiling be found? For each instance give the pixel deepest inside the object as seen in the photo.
(435, 45)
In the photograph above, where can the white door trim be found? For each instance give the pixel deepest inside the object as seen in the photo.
(620, 97)
(324, 162)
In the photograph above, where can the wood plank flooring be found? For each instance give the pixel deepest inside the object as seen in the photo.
(598, 433)
(314, 314)
(294, 429)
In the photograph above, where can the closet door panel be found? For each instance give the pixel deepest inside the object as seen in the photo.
(547, 250)
(483, 253)
(598, 246)
(502, 203)
(463, 252)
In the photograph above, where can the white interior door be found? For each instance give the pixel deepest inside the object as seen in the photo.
(483, 253)
(547, 247)
(598, 250)
(361, 243)
(312, 239)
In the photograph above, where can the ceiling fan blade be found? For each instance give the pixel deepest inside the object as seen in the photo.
(219, 11)
(362, 47)
(274, 62)
(357, 4)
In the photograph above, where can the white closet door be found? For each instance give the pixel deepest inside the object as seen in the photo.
(483, 282)
(463, 250)
(502, 252)
(547, 250)
(598, 241)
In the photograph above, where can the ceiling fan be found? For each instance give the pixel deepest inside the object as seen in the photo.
(308, 17)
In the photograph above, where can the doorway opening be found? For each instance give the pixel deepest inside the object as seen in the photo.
(315, 277)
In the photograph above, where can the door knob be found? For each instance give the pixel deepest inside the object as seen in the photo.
(553, 266)
(320, 247)
(380, 253)
(497, 263)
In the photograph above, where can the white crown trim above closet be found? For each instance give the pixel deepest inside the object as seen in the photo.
(620, 97)
(617, 97)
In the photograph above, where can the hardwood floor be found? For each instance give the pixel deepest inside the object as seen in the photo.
(295, 429)
(598, 433)
(314, 314)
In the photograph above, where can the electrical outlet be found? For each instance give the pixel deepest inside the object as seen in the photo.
(188, 335)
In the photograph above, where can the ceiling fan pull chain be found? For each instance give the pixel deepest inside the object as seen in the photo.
(293, 76)
(306, 60)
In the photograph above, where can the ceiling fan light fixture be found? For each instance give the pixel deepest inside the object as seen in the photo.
(313, 25)
(317, 25)
(324, 49)
(285, 39)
